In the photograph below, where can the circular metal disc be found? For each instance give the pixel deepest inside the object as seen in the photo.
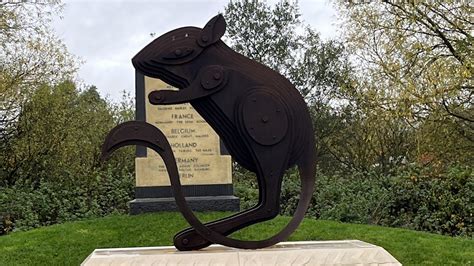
(265, 118)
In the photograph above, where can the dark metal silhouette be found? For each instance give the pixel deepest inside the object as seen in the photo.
(260, 116)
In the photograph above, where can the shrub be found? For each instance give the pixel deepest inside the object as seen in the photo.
(25, 207)
(440, 203)
(416, 198)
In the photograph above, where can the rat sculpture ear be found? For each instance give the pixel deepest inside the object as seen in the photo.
(213, 31)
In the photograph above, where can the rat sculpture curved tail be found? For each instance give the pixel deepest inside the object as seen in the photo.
(260, 116)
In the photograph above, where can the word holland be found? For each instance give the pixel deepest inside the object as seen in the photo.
(184, 145)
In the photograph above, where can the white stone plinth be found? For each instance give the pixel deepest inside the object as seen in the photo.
(346, 252)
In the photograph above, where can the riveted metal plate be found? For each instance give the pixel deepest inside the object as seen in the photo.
(265, 118)
(212, 77)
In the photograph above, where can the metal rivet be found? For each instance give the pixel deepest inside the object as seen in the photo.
(185, 241)
(265, 119)
(204, 38)
(177, 52)
(217, 75)
(158, 97)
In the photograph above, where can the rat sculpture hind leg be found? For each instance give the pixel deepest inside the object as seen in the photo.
(206, 235)
(264, 121)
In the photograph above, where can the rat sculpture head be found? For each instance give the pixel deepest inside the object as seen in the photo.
(259, 115)
(172, 56)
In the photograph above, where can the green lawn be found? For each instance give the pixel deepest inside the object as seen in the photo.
(71, 243)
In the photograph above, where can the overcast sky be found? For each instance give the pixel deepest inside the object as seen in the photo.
(107, 34)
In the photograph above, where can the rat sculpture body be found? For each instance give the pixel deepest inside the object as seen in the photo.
(260, 116)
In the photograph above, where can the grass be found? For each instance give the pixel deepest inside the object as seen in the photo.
(70, 243)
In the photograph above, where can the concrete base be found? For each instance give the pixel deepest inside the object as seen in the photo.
(205, 203)
(346, 252)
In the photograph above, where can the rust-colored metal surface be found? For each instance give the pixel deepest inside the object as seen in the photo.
(260, 116)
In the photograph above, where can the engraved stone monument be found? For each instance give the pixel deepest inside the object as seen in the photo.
(204, 164)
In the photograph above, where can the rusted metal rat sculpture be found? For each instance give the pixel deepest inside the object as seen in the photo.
(260, 116)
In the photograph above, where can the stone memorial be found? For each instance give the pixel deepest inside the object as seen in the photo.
(204, 164)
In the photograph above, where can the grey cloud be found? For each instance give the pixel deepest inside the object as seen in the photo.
(107, 34)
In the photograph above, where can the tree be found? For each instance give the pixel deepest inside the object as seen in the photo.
(50, 131)
(276, 37)
(60, 131)
(414, 63)
(30, 55)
